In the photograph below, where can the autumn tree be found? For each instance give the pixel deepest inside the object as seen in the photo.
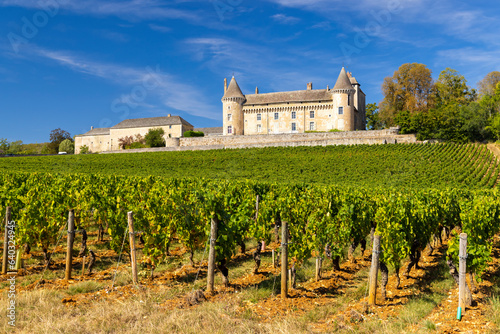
(488, 84)
(56, 138)
(410, 88)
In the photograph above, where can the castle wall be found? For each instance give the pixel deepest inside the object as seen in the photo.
(390, 136)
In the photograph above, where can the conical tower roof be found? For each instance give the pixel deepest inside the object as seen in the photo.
(233, 90)
(343, 83)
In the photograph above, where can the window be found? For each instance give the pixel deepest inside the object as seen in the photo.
(294, 127)
(229, 130)
(348, 99)
(229, 117)
(259, 128)
(276, 116)
(311, 114)
(341, 110)
(170, 126)
(259, 117)
(311, 126)
(294, 115)
(228, 107)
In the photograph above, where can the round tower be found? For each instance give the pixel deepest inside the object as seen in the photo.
(343, 102)
(232, 109)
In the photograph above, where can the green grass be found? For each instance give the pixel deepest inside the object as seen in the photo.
(84, 287)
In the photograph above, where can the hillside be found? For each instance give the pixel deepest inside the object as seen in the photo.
(401, 165)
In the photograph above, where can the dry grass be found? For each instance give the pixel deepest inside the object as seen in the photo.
(43, 312)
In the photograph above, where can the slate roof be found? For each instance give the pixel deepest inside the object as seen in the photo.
(233, 90)
(293, 96)
(151, 122)
(210, 131)
(343, 82)
(97, 132)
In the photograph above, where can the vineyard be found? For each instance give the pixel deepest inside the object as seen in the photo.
(417, 198)
(403, 165)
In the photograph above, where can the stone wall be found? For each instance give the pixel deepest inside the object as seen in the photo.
(390, 136)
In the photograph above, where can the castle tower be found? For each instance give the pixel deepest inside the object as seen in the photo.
(232, 109)
(343, 94)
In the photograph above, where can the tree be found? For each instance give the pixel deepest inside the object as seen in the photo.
(489, 82)
(56, 137)
(67, 146)
(410, 88)
(373, 121)
(154, 137)
(451, 87)
(84, 149)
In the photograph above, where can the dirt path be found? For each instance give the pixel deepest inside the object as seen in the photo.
(473, 320)
(493, 147)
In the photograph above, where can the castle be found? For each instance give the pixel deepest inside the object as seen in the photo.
(341, 108)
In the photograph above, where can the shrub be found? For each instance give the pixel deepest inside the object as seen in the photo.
(67, 146)
(193, 134)
(154, 138)
(84, 149)
(136, 145)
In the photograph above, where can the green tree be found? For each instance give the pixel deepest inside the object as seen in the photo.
(56, 137)
(410, 88)
(373, 121)
(4, 145)
(451, 87)
(154, 137)
(67, 146)
(84, 149)
(489, 82)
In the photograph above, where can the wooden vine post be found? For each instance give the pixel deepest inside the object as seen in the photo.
(372, 297)
(284, 259)
(133, 259)
(8, 218)
(211, 256)
(462, 268)
(71, 239)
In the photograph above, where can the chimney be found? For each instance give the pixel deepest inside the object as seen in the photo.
(256, 90)
(310, 86)
(327, 87)
(169, 115)
(225, 85)
(91, 128)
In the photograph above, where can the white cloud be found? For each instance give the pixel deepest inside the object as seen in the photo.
(160, 28)
(164, 86)
(285, 19)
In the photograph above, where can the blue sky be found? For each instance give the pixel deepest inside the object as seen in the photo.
(76, 64)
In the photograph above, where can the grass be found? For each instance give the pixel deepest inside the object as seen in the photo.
(84, 287)
(493, 312)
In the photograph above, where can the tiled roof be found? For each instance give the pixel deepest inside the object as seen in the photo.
(210, 131)
(151, 122)
(343, 82)
(233, 90)
(293, 96)
(97, 132)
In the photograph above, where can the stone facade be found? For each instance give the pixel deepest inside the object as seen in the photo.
(107, 139)
(341, 108)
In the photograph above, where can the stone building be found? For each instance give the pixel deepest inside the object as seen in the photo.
(341, 108)
(107, 139)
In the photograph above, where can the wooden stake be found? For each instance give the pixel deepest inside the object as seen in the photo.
(83, 267)
(8, 217)
(284, 259)
(211, 256)
(133, 258)
(71, 238)
(462, 268)
(374, 270)
(274, 263)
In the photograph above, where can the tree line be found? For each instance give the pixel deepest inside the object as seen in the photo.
(446, 109)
